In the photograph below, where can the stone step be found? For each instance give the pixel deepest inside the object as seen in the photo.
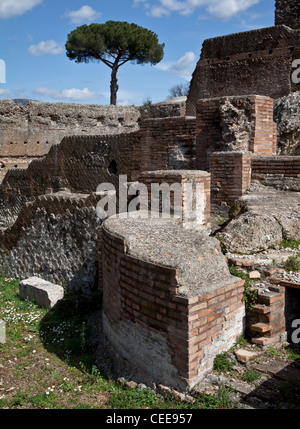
(265, 341)
(261, 309)
(260, 327)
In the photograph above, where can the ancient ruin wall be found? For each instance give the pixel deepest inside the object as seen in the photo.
(77, 164)
(288, 13)
(234, 124)
(55, 237)
(230, 177)
(81, 163)
(169, 303)
(253, 62)
(280, 172)
(29, 131)
(167, 143)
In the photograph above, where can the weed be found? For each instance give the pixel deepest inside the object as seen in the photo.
(222, 245)
(241, 341)
(126, 398)
(292, 263)
(43, 400)
(19, 398)
(272, 351)
(291, 353)
(222, 363)
(291, 243)
(250, 376)
(224, 397)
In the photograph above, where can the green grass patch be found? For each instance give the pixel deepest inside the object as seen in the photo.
(222, 363)
(250, 376)
(291, 243)
(292, 264)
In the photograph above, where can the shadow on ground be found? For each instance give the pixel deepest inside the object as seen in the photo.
(280, 388)
(69, 329)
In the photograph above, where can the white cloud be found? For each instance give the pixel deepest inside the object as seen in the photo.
(4, 92)
(46, 47)
(67, 94)
(220, 9)
(9, 8)
(184, 67)
(82, 15)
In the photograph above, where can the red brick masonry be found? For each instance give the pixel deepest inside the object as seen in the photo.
(155, 332)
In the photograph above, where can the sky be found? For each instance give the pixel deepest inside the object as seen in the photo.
(34, 65)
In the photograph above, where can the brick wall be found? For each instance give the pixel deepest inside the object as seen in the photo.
(165, 141)
(154, 332)
(266, 321)
(252, 62)
(29, 131)
(277, 171)
(193, 204)
(234, 123)
(230, 176)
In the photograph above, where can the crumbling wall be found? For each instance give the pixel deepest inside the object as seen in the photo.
(55, 238)
(29, 131)
(182, 193)
(230, 177)
(280, 172)
(288, 13)
(286, 115)
(242, 123)
(167, 143)
(252, 62)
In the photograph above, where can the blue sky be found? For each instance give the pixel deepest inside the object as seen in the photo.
(33, 34)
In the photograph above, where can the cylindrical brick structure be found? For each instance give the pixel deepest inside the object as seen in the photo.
(170, 304)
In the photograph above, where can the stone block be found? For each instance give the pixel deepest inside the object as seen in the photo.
(45, 294)
(244, 356)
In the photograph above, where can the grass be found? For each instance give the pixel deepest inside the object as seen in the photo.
(292, 264)
(250, 376)
(222, 363)
(291, 243)
(47, 362)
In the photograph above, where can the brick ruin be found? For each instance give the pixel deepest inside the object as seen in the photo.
(170, 304)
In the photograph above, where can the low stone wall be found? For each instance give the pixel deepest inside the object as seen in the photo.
(169, 302)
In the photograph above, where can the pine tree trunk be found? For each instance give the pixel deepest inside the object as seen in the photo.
(114, 86)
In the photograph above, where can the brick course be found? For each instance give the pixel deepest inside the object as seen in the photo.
(158, 334)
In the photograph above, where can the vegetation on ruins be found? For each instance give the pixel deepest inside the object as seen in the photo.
(250, 293)
(292, 263)
(114, 43)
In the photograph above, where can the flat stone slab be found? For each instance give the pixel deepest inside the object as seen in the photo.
(244, 356)
(202, 268)
(280, 370)
(45, 294)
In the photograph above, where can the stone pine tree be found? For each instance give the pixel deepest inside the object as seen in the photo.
(114, 43)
